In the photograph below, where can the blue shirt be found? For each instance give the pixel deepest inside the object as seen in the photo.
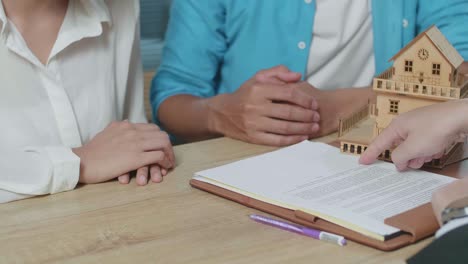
(213, 46)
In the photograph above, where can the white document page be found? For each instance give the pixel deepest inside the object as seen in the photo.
(318, 179)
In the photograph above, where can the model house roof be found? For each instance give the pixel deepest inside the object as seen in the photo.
(442, 44)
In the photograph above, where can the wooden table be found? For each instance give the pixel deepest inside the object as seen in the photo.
(163, 223)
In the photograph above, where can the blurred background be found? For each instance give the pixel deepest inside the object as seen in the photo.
(154, 19)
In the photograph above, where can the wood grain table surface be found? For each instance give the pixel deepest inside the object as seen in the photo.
(169, 222)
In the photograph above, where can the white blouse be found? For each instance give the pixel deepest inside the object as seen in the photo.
(93, 77)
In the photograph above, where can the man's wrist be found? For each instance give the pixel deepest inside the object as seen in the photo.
(213, 107)
(348, 100)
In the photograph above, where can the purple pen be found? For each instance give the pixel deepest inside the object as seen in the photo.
(317, 234)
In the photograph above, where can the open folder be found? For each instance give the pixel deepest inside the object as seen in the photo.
(313, 184)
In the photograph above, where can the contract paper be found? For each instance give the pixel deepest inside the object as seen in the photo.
(318, 179)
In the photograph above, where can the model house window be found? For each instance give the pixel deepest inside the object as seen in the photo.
(436, 69)
(394, 106)
(408, 66)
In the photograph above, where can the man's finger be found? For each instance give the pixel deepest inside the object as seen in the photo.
(289, 77)
(282, 127)
(279, 78)
(291, 113)
(463, 68)
(291, 94)
(272, 80)
(271, 72)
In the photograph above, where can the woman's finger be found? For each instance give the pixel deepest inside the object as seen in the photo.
(142, 176)
(158, 141)
(156, 174)
(124, 179)
(156, 158)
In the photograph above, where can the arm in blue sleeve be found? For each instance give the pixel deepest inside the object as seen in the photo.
(194, 48)
(450, 16)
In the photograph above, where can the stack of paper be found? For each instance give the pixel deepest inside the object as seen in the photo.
(316, 178)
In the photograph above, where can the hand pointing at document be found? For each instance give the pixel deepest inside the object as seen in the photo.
(421, 135)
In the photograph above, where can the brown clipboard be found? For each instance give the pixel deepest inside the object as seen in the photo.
(415, 224)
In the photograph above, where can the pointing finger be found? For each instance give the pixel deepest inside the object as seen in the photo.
(383, 142)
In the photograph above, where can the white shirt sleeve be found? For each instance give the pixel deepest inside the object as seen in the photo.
(37, 171)
(93, 77)
(451, 225)
(134, 101)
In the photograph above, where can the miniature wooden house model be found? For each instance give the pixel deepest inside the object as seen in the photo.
(424, 72)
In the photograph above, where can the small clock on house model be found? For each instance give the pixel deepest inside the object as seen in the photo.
(423, 54)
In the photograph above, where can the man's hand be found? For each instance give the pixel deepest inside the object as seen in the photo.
(272, 108)
(335, 104)
(266, 111)
(421, 135)
(463, 68)
(123, 147)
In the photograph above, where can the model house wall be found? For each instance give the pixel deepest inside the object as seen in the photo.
(391, 105)
(423, 63)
